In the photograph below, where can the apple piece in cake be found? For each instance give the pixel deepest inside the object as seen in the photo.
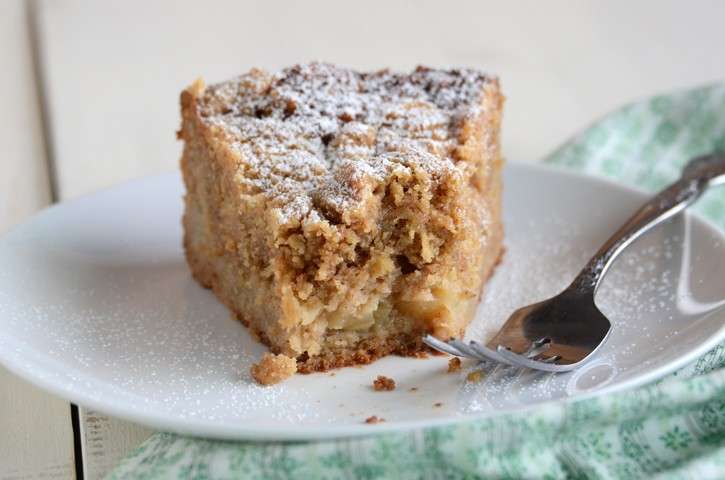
(343, 215)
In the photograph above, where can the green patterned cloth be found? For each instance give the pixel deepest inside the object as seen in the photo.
(673, 429)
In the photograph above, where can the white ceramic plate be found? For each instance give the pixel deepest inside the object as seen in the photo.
(97, 306)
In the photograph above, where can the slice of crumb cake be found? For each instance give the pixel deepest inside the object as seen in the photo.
(343, 215)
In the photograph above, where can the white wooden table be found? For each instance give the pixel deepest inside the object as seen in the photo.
(90, 91)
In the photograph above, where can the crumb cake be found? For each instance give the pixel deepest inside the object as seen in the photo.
(343, 215)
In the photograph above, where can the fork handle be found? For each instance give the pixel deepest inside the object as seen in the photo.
(699, 174)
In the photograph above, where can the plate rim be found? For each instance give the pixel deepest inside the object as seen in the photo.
(201, 428)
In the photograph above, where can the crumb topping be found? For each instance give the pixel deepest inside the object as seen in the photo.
(454, 364)
(315, 138)
(383, 383)
(273, 369)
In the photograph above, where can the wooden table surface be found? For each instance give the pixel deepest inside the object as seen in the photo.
(90, 99)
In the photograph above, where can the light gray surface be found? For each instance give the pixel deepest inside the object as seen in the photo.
(36, 440)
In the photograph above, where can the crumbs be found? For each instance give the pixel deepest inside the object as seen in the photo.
(475, 376)
(383, 383)
(454, 364)
(374, 419)
(273, 369)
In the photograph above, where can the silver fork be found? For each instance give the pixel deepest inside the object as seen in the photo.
(563, 332)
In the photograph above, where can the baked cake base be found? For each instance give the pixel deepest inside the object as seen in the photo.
(365, 351)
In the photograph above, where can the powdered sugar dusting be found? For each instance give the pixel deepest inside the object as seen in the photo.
(306, 135)
(639, 296)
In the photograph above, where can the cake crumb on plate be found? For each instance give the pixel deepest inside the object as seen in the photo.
(474, 376)
(454, 364)
(383, 383)
(374, 419)
(273, 369)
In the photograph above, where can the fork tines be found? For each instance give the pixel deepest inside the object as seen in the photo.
(532, 358)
